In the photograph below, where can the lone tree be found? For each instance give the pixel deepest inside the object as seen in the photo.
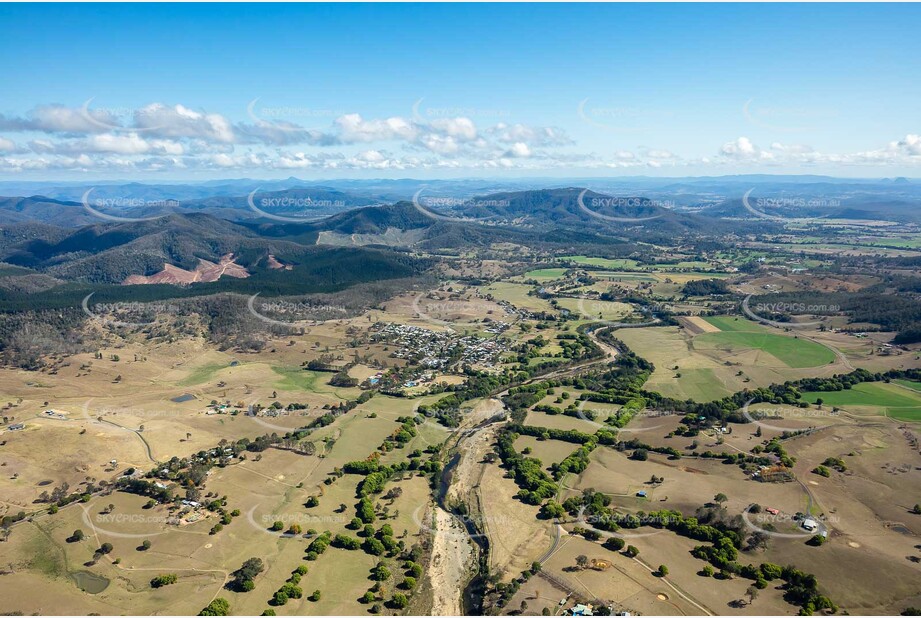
(399, 601)
(720, 498)
(663, 570)
(582, 561)
(752, 593)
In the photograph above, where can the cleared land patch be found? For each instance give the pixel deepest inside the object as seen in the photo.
(894, 400)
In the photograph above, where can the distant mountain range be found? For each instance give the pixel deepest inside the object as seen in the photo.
(207, 238)
(59, 204)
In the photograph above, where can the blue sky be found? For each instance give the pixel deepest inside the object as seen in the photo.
(406, 90)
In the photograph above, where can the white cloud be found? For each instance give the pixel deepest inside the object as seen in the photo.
(8, 145)
(163, 137)
(910, 146)
(123, 144)
(660, 154)
(536, 136)
(180, 121)
(441, 144)
(353, 128)
(62, 119)
(460, 128)
(519, 149)
(742, 149)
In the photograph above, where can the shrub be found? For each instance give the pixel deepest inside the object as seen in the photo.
(163, 580)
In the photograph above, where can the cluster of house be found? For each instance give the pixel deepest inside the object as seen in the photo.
(47, 413)
(219, 455)
(511, 309)
(773, 474)
(218, 408)
(498, 327)
(438, 350)
(423, 378)
(587, 609)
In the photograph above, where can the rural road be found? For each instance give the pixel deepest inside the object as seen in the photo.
(137, 433)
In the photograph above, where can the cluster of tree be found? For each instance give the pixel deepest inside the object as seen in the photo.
(550, 433)
(377, 475)
(535, 484)
(318, 545)
(576, 462)
(788, 393)
(343, 379)
(29, 338)
(801, 588)
(402, 435)
(381, 541)
(243, 579)
(899, 311)
(705, 287)
(288, 590)
(477, 384)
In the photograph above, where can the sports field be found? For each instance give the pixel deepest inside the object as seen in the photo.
(602, 262)
(895, 400)
(517, 294)
(545, 274)
(596, 309)
(915, 386)
(738, 334)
